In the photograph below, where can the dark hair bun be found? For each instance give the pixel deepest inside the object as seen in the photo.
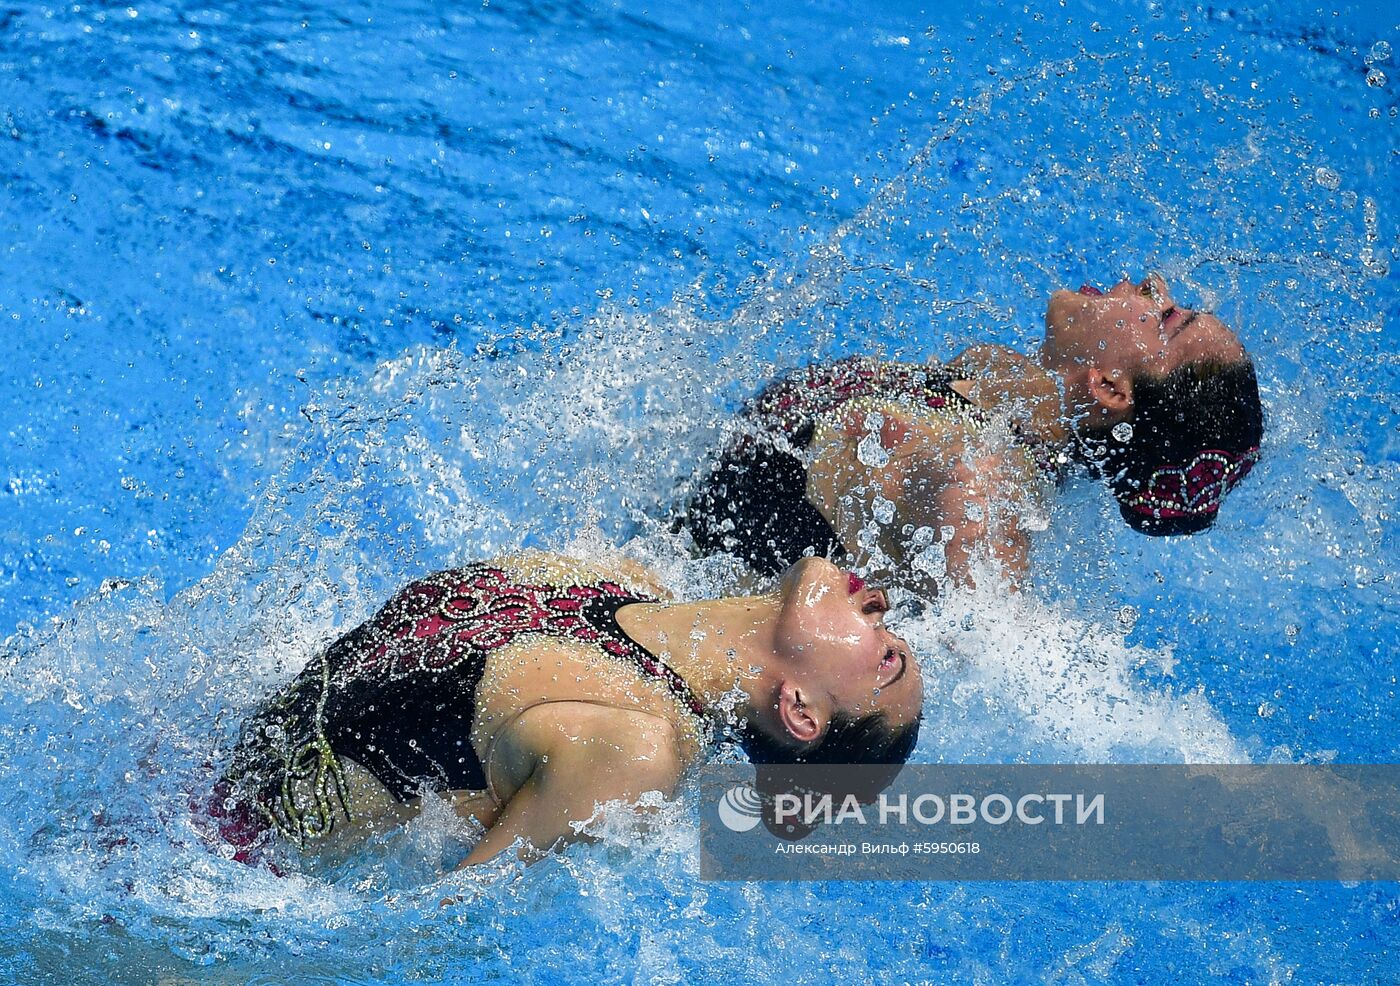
(1146, 523)
(1193, 436)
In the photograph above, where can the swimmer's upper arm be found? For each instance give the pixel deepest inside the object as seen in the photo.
(531, 563)
(937, 474)
(971, 499)
(978, 504)
(583, 755)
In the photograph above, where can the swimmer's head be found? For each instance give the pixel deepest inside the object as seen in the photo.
(1167, 397)
(1192, 436)
(842, 687)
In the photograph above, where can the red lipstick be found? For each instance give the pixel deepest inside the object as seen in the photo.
(854, 583)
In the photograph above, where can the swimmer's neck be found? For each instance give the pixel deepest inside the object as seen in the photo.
(714, 644)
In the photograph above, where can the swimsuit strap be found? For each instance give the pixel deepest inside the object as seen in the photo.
(603, 615)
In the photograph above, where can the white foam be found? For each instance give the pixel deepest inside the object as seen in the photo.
(1018, 679)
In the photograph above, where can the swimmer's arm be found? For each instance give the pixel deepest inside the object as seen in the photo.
(968, 499)
(532, 563)
(977, 499)
(937, 476)
(582, 756)
(638, 576)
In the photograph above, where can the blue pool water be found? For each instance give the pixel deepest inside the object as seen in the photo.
(289, 295)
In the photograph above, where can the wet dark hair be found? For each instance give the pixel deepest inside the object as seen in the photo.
(867, 740)
(1194, 434)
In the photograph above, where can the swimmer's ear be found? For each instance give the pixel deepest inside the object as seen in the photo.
(1112, 391)
(802, 722)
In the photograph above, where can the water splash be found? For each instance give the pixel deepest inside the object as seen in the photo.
(1149, 141)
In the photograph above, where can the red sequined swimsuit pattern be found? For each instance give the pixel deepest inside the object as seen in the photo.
(397, 695)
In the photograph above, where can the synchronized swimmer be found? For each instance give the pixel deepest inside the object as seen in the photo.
(876, 462)
(530, 689)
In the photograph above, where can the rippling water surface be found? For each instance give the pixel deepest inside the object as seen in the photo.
(291, 296)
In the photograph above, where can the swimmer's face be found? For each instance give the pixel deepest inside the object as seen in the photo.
(838, 652)
(1132, 328)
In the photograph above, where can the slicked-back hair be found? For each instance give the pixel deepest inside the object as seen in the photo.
(865, 740)
(1196, 410)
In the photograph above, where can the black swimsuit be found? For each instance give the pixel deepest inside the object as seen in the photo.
(397, 695)
(754, 504)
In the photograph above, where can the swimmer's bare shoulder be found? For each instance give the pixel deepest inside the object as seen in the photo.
(542, 566)
(1001, 378)
(984, 358)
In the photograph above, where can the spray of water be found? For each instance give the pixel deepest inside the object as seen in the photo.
(112, 716)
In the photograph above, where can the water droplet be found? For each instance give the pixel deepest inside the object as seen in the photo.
(1123, 432)
(871, 453)
(1327, 178)
(1380, 52)
(1266, 709)
(1127, 618)
(884, 510)
(1291, 632)
(1375, 78)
